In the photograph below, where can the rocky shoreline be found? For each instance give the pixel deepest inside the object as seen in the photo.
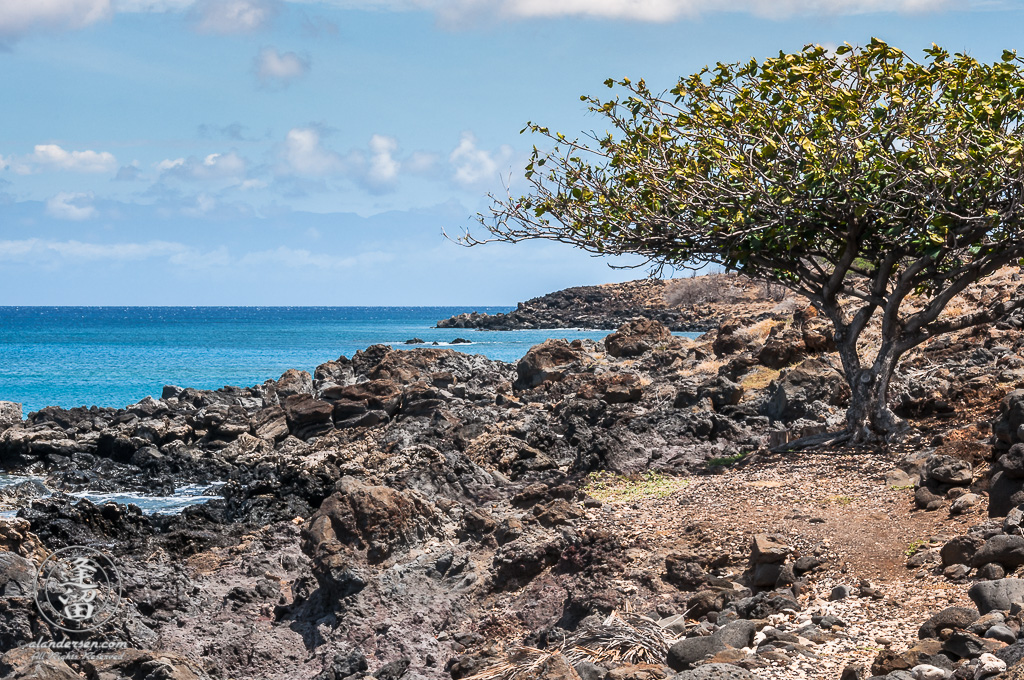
(607, 510)
(682, 305)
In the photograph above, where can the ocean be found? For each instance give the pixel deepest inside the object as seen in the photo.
(115, 356)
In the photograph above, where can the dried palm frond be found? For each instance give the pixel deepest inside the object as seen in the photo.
(622, 638)
(626, 638)
(520, 662)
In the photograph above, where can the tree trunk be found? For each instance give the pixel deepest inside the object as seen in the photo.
(869, 420)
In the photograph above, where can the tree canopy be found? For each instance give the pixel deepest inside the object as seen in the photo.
(857, 174)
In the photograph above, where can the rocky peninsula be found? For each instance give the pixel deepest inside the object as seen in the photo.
(695, 304)
(617, 510)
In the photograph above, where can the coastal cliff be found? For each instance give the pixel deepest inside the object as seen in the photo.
(609, 510)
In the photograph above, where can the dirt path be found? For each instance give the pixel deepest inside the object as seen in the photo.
(863, 527)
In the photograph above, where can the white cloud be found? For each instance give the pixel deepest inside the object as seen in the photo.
(4, 163)
(463, 11)
(151, 5)
(53, 157)
(214, 167)
(226, 17)
(383, 168)
(298, 258)
(170, 164)
(204, 204)
(78, 250)
(129, 173)
(181, 255)
(190, 258)
(474, 166)
(253, 184)
(277, 69)
(305, 155)
(422, 163)
(71, 206)
(18, 17)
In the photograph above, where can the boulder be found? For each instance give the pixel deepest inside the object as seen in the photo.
(508, 455)
(170, 392)
(989, 665)
(1012, 654)
(999, 594)
(688, 651)
(557, 667)
(549, 361)
(818, 336)
(729, 339)
(990, 572)
(1012, 462)
(961, 549)
(792, 395)
(716, 671)
(964, 503)
(1004, 494)
(1007, 427)
(764, 604)
(293, 382)
(782, 348)
(355, 400)
(10, 414)
(737, 634)
(889, 660)
(269, 423)
(684, 571)
(17, 575)
(376, 519)
(637, 337)
(968, 646)
(138, 663)
(722, 392)
(21, 663)
(1001, 633)
(308, 417)
(16, 537)
(765, 549)
(948, 470)
(766, 575)
(926, 671)
(1002, 549)
(950, 618)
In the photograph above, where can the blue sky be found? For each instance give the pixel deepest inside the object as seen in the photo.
(263, 152)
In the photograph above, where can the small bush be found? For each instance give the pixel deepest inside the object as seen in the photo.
(608, 486)
(727, 460)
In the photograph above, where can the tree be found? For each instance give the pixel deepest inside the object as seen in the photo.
(859, 178)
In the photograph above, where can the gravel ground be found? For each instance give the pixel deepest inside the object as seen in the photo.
(832, 504)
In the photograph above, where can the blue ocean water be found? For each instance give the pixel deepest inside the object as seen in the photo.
(115, 356)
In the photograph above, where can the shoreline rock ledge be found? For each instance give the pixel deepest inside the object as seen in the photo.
(672, 302)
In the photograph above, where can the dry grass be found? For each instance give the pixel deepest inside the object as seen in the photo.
(610, 487)
(709, 366)
(761, 330)
(758, 378)
(956, 307)
(703, 290)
